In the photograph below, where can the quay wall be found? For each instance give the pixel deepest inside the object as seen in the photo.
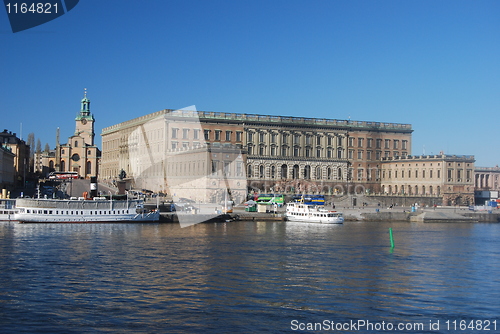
(353, 215)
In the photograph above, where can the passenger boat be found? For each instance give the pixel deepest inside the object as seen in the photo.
(300, 212)
(81, 210)
(7, 209)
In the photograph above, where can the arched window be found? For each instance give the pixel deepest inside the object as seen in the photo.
(249, 170)
(307, 172)
(63, 166)
(261, 171)
(273, 172)
(284, 171)
(318, 173)
(295, 172)
(339, 173)
(76, 143)
(89, 167)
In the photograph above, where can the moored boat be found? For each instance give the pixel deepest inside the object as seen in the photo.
(31, 210)
(312, 214)
(7, 209)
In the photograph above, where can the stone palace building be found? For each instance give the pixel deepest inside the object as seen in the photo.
(251, 153)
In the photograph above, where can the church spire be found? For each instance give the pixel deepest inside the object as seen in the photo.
(85, 109)
(85, 121)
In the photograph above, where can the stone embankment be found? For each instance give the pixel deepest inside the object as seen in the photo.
(425, 215)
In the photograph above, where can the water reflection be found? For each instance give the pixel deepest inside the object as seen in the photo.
(242, 276)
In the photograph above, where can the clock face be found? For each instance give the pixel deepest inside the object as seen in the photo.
(84, 121)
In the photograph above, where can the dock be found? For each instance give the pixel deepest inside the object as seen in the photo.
(422, 215)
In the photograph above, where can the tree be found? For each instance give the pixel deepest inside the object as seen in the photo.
(31, 143)
(38, 146)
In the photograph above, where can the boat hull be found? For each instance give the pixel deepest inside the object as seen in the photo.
(82, 211)
(335, 220)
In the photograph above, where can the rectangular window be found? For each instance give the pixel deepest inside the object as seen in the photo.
(238, 135)
(196, 134)
(239, 169)
(185, 133)
(387, 143)
(285, 138)
(228, 135)
(174, 133)
(207, 134)
(217, 135)
(360, 142)
(369, 142)
(273, 138)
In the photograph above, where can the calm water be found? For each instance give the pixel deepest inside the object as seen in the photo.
(246, 277)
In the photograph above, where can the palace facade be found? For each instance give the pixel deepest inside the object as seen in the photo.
(443, 179)
(254, 153)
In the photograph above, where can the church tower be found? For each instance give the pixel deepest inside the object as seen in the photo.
(85, 122)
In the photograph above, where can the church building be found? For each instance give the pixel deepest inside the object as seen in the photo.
(79, 154)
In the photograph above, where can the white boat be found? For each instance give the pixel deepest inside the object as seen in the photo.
(312, 214)
(7, 209)
(32, 210)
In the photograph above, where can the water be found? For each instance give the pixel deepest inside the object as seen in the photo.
(247, 277)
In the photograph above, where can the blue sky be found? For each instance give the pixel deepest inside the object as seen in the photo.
(432, 64)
